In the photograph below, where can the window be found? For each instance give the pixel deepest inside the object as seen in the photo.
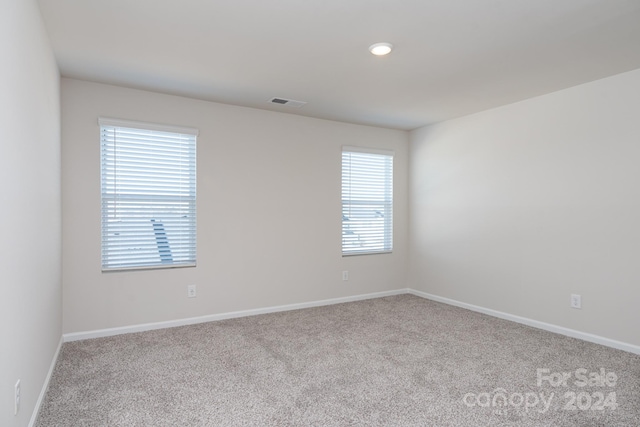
(148, 187)
(367, 201)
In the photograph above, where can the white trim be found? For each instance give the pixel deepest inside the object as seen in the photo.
(75, 336)
(534, 323)
(354, 149)
(45, 386)
(105, 121)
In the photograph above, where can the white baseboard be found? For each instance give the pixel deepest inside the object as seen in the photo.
(533, 323)
(231, 315)
(75, 336)
(45, 386)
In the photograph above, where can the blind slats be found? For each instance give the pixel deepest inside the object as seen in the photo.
(148, 188)
(367, 202)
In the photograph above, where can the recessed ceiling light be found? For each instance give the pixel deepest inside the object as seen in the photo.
(380, 49)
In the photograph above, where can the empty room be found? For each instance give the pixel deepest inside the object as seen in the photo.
(305, 213)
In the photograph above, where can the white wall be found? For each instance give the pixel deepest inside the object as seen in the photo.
(268, 212)
(30, 307)
(515, 208)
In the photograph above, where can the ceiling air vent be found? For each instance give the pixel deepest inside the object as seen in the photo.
(287, 102)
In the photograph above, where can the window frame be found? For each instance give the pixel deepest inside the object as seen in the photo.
(159, 231)
(385, 203)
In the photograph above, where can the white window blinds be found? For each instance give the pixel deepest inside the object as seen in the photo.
(148, 187)
(367, 201)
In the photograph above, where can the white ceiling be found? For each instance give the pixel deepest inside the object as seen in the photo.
(451, 57)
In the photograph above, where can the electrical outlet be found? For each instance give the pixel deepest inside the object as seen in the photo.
(17, 398)
(345, 275)
(576, 301)
(191, 291)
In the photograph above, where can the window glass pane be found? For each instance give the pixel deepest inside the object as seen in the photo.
(148, 189)
(367, 203)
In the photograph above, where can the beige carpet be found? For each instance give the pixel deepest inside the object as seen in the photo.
(395, 361)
